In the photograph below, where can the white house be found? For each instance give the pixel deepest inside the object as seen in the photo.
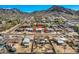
(26, 41)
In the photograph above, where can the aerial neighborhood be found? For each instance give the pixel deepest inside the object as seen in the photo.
(52, 31)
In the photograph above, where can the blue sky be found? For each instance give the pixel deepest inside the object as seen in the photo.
(31, 8)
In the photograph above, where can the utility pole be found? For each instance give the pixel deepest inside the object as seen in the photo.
(64, 45)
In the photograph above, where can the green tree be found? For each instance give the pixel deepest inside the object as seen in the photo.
(59, 21)
(76, 28)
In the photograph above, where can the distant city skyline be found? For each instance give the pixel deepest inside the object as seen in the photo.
(32, 8)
